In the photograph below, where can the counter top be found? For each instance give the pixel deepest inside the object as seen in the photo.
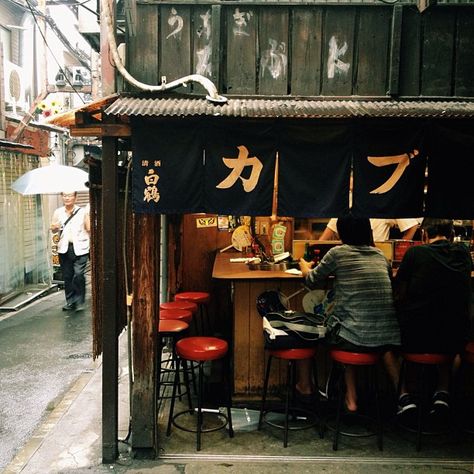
(224, 269)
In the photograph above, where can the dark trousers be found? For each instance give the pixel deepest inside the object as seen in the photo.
(73, 268)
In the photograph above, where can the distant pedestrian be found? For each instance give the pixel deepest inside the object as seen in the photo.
(73, 225)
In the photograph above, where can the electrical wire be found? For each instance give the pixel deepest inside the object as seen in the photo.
(212, 96)
(129, 311)
(49, 49)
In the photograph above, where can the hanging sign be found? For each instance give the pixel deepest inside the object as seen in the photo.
(167, 168)
(314, 168)
(239, 168)
(389, 169)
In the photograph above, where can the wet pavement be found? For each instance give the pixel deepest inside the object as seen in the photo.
(43, 350)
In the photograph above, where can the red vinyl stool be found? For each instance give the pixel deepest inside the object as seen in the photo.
(202, 349)
(296, 413)
(188, 305)
(172, 329)
(176, 314)
(421, 362)
(369, 361)
(201, 299)
(185, 315)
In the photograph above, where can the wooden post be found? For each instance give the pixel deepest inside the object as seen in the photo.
(146, 302)
(109, 302)
(395, 46)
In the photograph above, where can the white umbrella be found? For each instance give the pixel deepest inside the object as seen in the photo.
(51, 179)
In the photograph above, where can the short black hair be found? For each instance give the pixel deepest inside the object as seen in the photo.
(434, 227)
(355, 230)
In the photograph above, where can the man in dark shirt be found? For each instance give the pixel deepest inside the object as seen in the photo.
(433, 294)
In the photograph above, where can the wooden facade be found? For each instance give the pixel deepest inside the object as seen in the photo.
(255, 48)
(269, 50)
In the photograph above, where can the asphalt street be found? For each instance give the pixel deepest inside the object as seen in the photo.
(43, 350)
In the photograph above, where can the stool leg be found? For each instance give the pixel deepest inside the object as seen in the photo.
(173, 397)
(377, 408)
(199, 407)
(205, 316)
(318, 405)
(289, 387)
(186, 380)
(229, 396)
(419, 427)
(175, 366)
(265, 387)
(340, 396)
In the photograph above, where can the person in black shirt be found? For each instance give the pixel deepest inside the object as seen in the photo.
(433, 296)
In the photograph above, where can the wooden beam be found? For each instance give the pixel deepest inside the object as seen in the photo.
(109, 302)
(395, 48)
(102, 130)
(86, 118)
(146, 301)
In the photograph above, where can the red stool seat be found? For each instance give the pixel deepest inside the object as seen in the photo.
(176, 314)
(172, 326)
(199, 297)
(429, 359)
(187, 305)
(355, 358)
(294, 354)
(201, 348)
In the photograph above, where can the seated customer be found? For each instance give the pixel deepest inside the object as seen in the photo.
(363, 318)
(433, 291)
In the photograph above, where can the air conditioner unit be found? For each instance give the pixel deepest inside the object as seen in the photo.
(14, 87)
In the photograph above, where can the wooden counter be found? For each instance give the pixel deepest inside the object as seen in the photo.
(248, 341)
(224, 269)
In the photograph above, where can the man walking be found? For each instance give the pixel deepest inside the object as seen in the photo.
(72, 223)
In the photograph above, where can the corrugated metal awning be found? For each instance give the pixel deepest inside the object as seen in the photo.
(289, 108)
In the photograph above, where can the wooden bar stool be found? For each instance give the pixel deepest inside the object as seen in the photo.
(201, 299)
(369, 361)
(185, 315)
(290, 411)
(202, 349)
(421, 362)
(172, 329)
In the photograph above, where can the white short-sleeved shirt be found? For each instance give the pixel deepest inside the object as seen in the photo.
(381, 227)
(74, 232)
